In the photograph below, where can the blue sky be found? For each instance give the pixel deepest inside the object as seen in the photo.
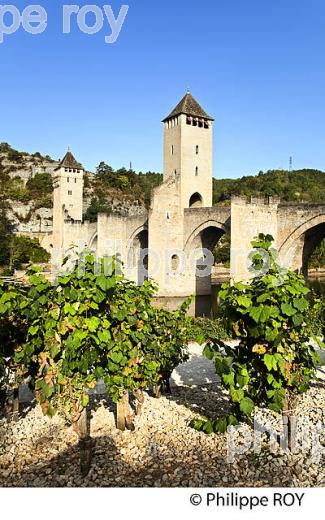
(257, 66)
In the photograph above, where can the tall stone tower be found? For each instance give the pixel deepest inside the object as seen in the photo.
(68, 200)
(188, 152)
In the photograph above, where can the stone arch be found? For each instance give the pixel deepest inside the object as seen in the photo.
(198, 249)
(93, 243)
(137, 255)
(136, 232)
(202, 227)
(296, 249)
(196, 200)
(313, 237)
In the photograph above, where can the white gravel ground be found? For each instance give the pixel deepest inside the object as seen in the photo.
(164, 450)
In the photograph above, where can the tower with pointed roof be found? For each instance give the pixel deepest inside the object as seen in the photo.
(68, 198)
(188, 152)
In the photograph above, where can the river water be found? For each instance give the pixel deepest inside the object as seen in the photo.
(208, 305)
(318, 285)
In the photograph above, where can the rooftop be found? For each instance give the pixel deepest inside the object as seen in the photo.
(69, 161)
(190, 107)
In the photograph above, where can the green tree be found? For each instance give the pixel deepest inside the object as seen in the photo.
(90, 325)
(317, 259)
(5, 224)
(24, 250)
(5, 236)
(97, 206)
(275, 361)
(222, 251)
(40, 185)
(297, 186)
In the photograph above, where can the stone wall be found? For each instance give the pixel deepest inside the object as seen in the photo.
(249, 217)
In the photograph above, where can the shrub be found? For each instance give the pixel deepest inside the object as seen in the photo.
(93, 326)
(24, 250)
(5, 236)
(14, 155)
(275, 360)
(40, 185)
(13, 329)
(222, 251)
(88, 326)
(44, 202)
(97, 206)
(17, 191)
(316, 315)
(203, 330)
(4, 147)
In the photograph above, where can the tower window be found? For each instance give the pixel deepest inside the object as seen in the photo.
(188, 121)
(200, 123)
(69, 192)
(68, 179)
(197, 149)
(174, 263)
(75, 180)
(172, 149)
(196, 171)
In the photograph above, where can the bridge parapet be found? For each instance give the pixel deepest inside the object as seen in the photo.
(258, 201)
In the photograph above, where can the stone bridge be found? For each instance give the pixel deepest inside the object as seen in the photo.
(207, 223)
(296, 228)
(172, 241)
(161, 242)
(301, 227)
(173, 237)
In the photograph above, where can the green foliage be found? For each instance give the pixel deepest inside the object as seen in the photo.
(296, 186)
(170, 336)
(24, 250)
(15, 190)
(5, 225)
(90, 326)
(316, 315)
(4, 147)
(14, 155)
(222, 251)
(40, 185)
(317, 259)
(128, 181)
(275, 360)
(13, 329)
(97, 206)
(5, 234)
(203, 330)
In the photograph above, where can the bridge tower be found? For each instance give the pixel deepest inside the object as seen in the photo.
(68, 184)
(188, 152)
